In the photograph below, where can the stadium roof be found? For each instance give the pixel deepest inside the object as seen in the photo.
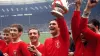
(17, 2)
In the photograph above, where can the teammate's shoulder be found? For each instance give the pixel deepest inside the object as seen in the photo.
(49, 38)
(22, 43)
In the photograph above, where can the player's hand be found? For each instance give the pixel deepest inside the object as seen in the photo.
(71, 54)
(78, 4)
(32, 48)
(90, 5)
(5, 54)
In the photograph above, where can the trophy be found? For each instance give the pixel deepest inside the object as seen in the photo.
(59, 7)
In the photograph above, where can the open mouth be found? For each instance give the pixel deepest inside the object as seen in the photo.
(33, 38)
(52, 28)
(5, 38)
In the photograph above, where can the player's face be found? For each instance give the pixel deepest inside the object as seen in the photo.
(7, 37)
(83, 38)
(33, 35)
(53, 26)
(14, 33)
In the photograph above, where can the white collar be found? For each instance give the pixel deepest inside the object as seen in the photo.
(17, 41)
(37, 45)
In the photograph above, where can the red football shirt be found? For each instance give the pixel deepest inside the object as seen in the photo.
(17, 49)
(75, 26)
(39, 48)
(92, 37)
(81, 49)
(58, 46)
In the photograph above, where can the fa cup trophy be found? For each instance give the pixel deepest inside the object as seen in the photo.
(59, 7)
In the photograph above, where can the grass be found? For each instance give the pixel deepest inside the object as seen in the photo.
(42, 38)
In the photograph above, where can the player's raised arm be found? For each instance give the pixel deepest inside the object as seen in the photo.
(58, 44)
(75, 21)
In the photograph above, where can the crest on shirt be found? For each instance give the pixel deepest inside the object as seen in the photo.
(57, 44)
(15, 53)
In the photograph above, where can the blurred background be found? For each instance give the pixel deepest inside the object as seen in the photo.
(35, 13)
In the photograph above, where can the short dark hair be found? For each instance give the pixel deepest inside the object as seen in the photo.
(18, 26)
(34, 29)
(95, 22)
(92, 27)
(52, 20)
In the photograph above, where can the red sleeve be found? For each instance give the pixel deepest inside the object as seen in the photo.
(63, 28)
(84, 22)
(90, 35)
(75, 23)
(2, 45)
(5, 50)
(24, 50)
(64, 33)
